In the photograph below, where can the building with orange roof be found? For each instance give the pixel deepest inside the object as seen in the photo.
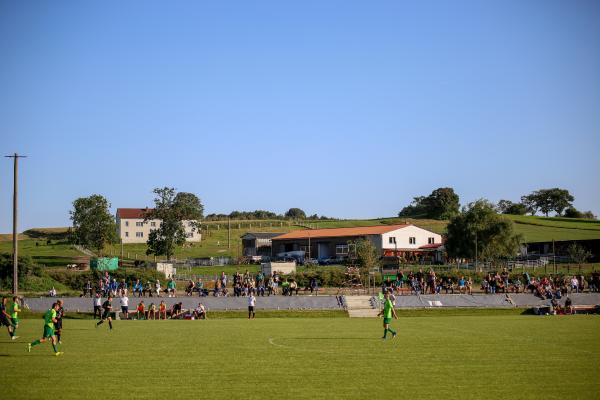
(404, 240)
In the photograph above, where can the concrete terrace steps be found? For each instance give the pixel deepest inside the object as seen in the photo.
(360, 307)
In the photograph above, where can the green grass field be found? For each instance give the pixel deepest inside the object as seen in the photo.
(440, 357)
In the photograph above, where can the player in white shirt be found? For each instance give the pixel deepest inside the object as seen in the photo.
(251, 304)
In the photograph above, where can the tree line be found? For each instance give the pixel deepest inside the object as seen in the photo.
(444, 204)
(292, 213)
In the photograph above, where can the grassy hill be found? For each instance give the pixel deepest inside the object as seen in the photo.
(214, 243)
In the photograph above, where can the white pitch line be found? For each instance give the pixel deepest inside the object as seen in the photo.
(271, 341)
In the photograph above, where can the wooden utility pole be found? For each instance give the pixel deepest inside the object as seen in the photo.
(229, 233)
(15, 158)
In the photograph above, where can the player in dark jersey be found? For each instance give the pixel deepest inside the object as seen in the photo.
(59, 321)
(5, 318)
(107, 307)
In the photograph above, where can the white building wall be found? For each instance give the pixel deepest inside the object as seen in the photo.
(403, 236)
(135, 230)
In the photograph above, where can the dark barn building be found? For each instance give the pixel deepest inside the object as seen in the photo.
(257, 243)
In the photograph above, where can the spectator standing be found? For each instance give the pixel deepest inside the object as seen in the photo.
(124, 305)
(251, 304)
(97, 305)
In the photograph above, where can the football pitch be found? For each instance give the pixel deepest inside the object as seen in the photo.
(441, 357)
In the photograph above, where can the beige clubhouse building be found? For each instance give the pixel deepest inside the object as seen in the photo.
(132, 228)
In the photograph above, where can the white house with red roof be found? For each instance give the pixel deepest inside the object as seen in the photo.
(133, 228)
(404, 240)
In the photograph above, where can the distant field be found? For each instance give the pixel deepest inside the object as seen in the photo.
(437, 357)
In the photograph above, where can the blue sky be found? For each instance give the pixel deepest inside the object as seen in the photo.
(347, 109)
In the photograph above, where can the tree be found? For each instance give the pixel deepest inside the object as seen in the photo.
(572, 212)
(578, 253)
(25, 267)
(479, 225)
(547, 200)
(508, 207)
(442, 203)
(366, 254)
(93, 225)
(295, 213)
(172, 209)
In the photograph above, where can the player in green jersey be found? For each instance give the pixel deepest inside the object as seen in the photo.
(49, 321)
(388, 312)
(14, 314)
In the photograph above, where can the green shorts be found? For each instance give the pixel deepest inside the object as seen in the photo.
(15, 321)
(48, 332)
(387, 320)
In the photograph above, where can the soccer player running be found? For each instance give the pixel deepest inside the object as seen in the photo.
(60, 313)
(14, 315)
(388, 312)
(107, 307)
(5, 318)
(251, 304)
(49, 321)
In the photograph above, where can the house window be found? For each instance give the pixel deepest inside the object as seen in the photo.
(191, 224)
(139, 224)
(190, 234)
(431, 240)
(412, 240)
(139, 234)
(126, 234)
(341, 249)
(392, 240)
(152, 223)
(126, 223)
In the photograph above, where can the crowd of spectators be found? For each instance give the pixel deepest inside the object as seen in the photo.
(545, 287)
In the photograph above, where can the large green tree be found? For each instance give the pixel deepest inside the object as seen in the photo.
(442, 203)
(548, 200)
(366, 255)
(93, 225)
(295, 213)
(172, 209)
(478, 223)
(508, 207)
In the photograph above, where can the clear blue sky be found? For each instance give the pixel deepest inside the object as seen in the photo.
(347, 109)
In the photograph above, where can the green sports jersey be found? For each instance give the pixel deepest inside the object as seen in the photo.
(14, 310)
(387, 309)
(49, 316)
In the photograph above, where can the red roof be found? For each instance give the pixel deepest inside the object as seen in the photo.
(132, 213)
(339, 232)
